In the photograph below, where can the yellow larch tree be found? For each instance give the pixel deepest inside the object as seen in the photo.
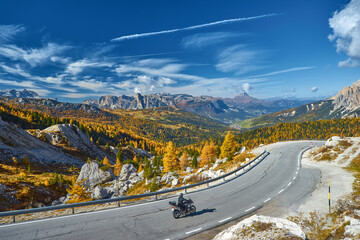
(118, 167)
(229, 145)
(184, 160)
(208, 153)
(106, 161)
(170, 160)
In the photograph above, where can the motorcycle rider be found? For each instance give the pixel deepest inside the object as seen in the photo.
(182, 202)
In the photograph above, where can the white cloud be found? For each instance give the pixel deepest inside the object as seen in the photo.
(239, 59)
(137, 90)
(33, 56)
(226, 21)
(79, 66)
(7, 32)
(349, 63)
(346, 32)
(163, 81)
(201, 40)
(314, 89)
(247, 87)
(62, 60)
(16, 71)
(24, 84)
(283, 71)
(91, 84)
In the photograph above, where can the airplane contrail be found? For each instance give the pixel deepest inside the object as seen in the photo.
(226, 21)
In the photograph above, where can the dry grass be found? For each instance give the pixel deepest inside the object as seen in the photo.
(30, 186)
(236, 162)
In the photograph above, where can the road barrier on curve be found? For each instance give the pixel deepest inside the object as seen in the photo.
(72, 206)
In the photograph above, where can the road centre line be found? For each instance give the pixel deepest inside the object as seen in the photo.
(225, 219)
(289, 183)
(196, 230)
(281, 190)
(249, 209)
(267, 200)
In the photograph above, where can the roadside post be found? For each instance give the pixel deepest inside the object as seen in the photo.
(329, 196)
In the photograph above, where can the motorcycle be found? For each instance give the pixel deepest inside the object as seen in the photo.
(178, 212)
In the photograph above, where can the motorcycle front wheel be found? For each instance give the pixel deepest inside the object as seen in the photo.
(176, 214)
(192, 209)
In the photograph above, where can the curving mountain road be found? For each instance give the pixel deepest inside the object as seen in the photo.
(279, 174)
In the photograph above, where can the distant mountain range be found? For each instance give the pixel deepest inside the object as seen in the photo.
(18, 94)
(344, 104)
(227, 110)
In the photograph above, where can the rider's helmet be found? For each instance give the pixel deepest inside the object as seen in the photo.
(181, 194)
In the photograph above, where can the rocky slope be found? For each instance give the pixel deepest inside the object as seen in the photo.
(16, 142)
(344, 104)
(262, 227)
(226, 110)
(18, 94)
(70, 137)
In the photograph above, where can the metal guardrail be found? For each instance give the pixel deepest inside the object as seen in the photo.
(119, 199)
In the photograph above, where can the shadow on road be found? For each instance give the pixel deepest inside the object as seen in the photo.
(206, 210)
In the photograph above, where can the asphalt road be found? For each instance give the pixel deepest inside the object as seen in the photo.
(279, 174)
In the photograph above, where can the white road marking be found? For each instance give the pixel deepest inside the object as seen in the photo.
(267, 200)
(294, 178)
(249, 209)
(78, 214)
(289, 183)
(297, 172)
(225, 219)
(281, 190)
(196, 230)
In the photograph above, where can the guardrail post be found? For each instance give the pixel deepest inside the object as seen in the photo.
(118, 203)
(207, 184)
(73, 210)
(13, 218)
(224, 179)
(185, 190)
(156, 197)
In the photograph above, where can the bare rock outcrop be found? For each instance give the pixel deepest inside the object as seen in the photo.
(91, 175)
(71, 136)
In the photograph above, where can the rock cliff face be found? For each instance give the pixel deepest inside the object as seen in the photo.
(348, 98)
(226, 110)
(68, 135)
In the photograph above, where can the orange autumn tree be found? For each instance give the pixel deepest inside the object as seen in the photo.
(170, 160)
(208, 153)
(184, 160)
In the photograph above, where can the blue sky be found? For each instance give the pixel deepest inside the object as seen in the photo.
(73, 50)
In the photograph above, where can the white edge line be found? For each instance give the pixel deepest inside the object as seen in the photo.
(297, 172)
(76, 215)
(267, 200)
(225, 219)
(249, 209)
(289, 183)
(294, 178)
(281, 190)
(196, 230)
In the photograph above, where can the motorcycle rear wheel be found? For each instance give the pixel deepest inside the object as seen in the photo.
(176, 214)
(192, 209)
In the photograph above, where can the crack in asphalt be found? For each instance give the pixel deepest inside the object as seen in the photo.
(265, 173)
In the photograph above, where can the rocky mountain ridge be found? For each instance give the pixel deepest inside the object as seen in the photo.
(346, 103)
(226, 110)
(18, 94)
